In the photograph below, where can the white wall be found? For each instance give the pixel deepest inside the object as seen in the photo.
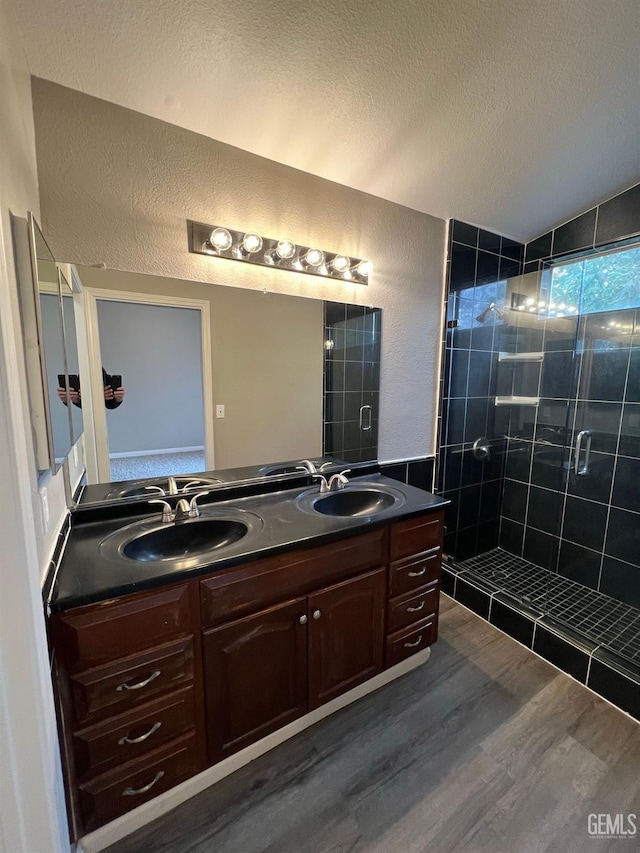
(117, 188)
(31, 801)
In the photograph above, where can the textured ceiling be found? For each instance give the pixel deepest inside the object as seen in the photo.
(512, 114)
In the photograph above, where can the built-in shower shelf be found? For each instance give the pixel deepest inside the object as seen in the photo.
(517, 401)
(520, 356)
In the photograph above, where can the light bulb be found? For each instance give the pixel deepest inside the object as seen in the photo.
(364, 268)
(340, 263)
(252, 243)
(285, 249)
(221, 239)
(314, 257)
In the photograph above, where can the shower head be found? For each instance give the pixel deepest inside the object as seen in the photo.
(499, 311)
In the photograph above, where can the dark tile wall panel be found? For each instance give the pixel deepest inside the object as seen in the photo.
(561, 652)
(619, 217)
(613, 220)
(478, 263)
(413, 472)
(618, 688)
(351, 381)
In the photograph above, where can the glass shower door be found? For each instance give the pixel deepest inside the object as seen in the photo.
(537, 364)
(599, 537)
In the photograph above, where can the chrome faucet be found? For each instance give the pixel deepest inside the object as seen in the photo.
(324, 486)
(167, 512)
(335, 482)
(310, 467)
(339, 481)
(184, 509)
(172, 486)
(157, 489)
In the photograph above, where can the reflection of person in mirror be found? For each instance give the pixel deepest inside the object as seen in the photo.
(113, 397)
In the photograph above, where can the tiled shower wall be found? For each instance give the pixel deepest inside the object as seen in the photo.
(352, 335)
(609, 222)
(597, 516)
(478, 264)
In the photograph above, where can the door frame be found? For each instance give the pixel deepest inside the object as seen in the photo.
(98, 441)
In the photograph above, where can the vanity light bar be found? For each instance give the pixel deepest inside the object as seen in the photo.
(220, 242)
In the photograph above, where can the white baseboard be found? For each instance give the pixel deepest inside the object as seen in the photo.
(160, 805)
(126, 454)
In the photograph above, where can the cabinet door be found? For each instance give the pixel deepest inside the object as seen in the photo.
(346, 627)
(255, 672)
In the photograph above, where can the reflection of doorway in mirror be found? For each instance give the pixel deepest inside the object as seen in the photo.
(157, 349)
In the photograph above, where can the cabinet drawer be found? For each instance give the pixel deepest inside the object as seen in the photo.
(411, 640)
(125, 737)
(132, 680)
(408, 609)
(252, 587)
(407, 575)
(416, 535)
(118, 791)
(93, 635)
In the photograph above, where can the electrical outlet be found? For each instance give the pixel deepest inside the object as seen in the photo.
(220, 411)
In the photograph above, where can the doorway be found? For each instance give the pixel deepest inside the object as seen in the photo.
(158, 351)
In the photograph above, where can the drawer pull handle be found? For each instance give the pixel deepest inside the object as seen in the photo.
(140, 684)
(128, 740)
(418, 574)
(131, 792)
(419, 640)
(416, 609)
(317, 614)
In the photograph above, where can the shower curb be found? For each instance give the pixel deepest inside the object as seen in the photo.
(604, 672)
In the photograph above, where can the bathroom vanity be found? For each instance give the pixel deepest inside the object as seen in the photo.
(169, 658)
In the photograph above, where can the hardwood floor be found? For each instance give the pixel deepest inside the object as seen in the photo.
(485, 748)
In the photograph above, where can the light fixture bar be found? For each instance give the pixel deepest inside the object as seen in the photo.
(218, 241)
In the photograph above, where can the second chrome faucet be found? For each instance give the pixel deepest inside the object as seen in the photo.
(184, 508)
(335, 482)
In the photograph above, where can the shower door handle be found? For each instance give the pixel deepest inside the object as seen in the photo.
(578, 471)
(368, 410)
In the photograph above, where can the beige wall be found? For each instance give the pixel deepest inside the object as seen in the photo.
(267, 360)
(117, 187)
(31, 798)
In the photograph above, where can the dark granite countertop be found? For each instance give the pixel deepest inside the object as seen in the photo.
(86, 575)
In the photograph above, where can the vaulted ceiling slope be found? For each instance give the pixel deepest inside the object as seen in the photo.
(512, 114)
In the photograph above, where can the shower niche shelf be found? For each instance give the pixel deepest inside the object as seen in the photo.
(514, 400)
(514, 357)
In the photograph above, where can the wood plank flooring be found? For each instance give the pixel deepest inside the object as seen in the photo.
(485, 748)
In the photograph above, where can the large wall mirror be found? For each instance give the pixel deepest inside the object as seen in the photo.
(189, 377)
(41, 304)
(73, 365)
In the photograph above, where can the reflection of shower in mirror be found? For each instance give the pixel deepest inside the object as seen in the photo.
(500, 311)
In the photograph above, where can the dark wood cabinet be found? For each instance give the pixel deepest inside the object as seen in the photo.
(346, 628)
(265, 670)
(153, 687)
(255, 676)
